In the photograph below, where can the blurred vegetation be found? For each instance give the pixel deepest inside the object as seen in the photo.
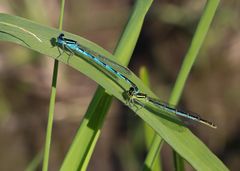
(212, 89)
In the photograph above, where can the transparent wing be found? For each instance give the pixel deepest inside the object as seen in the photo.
(172, 109)
(113, 64)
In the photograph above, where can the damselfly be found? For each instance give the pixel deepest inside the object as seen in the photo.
(138, 98)
(74, 48)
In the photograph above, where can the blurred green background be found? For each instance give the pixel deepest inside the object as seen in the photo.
(211, 90)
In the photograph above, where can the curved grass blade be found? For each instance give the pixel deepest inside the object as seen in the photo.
(177, 136)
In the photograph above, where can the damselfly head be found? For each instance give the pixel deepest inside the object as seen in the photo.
(131, 91)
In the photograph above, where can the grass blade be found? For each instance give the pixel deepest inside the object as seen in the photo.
(35, 162)
(196, 44)
(177, 136)
(152, 161)
(84, 142)
(52, 102)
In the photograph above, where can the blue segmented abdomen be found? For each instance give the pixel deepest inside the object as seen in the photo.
(173, 110)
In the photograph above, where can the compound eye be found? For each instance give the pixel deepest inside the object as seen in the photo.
(131, 90)
(61, 35)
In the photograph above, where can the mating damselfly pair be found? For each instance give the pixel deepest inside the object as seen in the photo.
(134, 95)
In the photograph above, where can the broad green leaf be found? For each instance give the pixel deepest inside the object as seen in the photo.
(38, 38)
